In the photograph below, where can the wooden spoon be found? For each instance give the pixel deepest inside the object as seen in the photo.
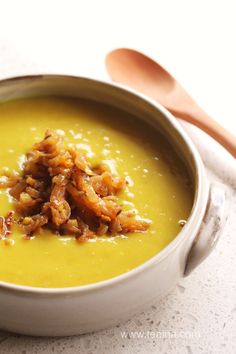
(136, 70)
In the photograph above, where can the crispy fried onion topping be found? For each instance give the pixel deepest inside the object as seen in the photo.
(60, 190)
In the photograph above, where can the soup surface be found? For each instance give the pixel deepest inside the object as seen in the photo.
(158, 189)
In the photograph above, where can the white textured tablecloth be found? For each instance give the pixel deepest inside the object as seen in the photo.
(195, 40)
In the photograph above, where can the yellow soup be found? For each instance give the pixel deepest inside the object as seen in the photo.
(158, 189)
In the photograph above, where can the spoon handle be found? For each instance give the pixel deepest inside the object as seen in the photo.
(202, 120)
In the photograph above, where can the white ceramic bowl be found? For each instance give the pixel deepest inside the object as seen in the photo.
(81, 309)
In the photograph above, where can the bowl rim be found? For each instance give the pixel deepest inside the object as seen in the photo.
(197, 209)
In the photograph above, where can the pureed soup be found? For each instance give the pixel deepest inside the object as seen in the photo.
(158, 189)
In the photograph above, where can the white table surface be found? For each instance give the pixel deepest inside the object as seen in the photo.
(195, 40)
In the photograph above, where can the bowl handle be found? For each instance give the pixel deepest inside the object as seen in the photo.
(214, 219)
